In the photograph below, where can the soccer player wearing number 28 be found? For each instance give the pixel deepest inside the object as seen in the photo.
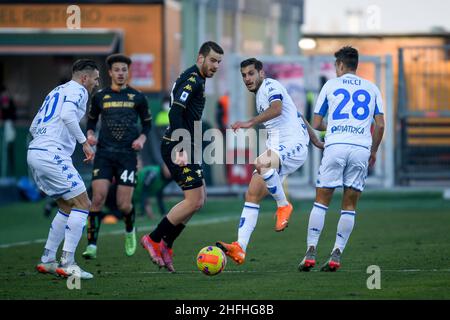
(55, 130)
(351, 103)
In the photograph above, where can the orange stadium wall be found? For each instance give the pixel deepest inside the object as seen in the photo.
(141, 25)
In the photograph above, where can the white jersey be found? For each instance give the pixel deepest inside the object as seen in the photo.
(48, 129)
(351, 103)
(287, 127)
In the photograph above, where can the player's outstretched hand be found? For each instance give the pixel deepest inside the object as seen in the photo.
(239, 124)
(372, 159)
(88, 151)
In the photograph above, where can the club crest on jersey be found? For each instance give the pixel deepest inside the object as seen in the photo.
(131, 96)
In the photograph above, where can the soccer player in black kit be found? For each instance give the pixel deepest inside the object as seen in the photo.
(119, 140)
(186, 107)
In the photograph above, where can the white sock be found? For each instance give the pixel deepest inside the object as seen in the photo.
(247, 224)
(344, 229)
(74, 231)
(273, 183)
(316, 222)
(55, 236)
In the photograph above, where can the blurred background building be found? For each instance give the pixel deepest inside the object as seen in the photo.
(404, 47)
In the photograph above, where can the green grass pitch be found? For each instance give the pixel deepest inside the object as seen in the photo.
(407, 236)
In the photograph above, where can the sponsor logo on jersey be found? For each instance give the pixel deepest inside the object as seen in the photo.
(131, 96)
(106, 96)
(188, 179)
(188, 87)
(118, 104)
(192, 79)
(347, 129)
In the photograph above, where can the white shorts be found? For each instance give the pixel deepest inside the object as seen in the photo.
(292, 156)
(343, 165)
(55, 174)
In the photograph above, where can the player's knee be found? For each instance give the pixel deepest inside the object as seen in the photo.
(197, 204)
(98, 200)
(124, 207)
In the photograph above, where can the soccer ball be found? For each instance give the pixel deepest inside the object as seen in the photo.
(211, 260)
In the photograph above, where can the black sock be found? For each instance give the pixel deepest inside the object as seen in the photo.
(129, 220)
(170, 238)
(94, 222)
(163, 229)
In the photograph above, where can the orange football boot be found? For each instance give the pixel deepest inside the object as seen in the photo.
(233, 250)
(283, 214)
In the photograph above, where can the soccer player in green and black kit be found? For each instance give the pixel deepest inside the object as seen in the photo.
(119, 140)
(186, 107)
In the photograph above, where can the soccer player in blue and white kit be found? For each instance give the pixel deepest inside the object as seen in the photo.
(287, 148)
(55, 130)
(351, 104)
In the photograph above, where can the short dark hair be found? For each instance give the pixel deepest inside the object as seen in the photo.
(208, 46)
(349, 56)
(252, 61)
(84, 64)
(117, 57)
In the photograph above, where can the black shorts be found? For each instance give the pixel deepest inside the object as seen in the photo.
(187, 177)
(120, 165)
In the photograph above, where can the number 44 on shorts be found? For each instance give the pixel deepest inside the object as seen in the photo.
(125, 177)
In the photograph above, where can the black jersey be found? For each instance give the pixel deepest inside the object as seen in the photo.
(119, 113)
(188, 93)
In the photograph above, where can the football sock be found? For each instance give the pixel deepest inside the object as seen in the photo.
(55, 236)
(128, 218)
(275, 187)
(74, 231)
(344, 229)
(247, 223)
(93, 226)
(170, 238)
(316, 222)
(164, 228)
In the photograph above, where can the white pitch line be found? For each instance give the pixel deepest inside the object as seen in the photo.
(116, 232)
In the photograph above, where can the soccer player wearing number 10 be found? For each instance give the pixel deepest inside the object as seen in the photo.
(351, 103)
(55, 130)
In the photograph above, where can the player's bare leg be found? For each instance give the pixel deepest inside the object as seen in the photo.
(267, 166)
(124, 197)
(256, 191)
(100, 188)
